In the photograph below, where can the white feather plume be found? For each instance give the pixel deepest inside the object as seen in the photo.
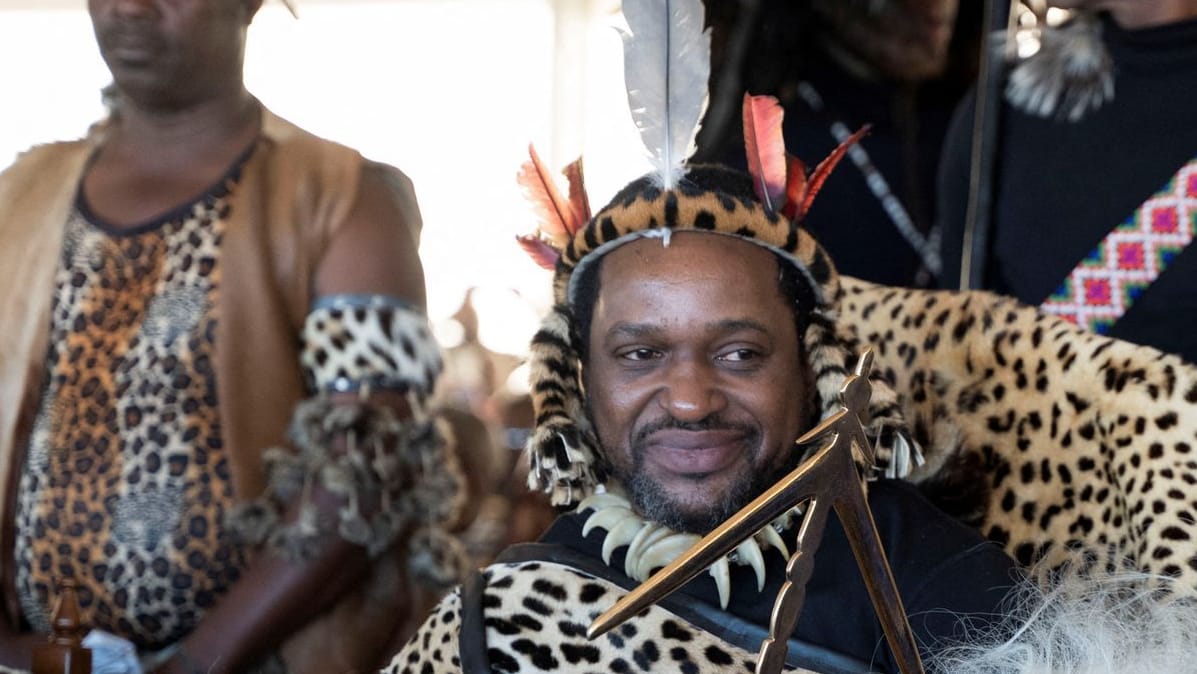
(667, 62)
(1110, 622)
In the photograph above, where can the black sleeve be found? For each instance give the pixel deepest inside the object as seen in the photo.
(967, 595)
(953, 582)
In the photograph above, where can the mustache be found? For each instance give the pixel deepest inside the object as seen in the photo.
(712, 423)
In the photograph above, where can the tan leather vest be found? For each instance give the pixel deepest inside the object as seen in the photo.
(296, 190)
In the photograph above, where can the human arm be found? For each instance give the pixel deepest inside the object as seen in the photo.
(372, 252)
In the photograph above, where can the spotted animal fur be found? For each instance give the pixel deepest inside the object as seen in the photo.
(536, 619)
(1060, 444)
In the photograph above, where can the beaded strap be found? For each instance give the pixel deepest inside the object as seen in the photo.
(1106, 282)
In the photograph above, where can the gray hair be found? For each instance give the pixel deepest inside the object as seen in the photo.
(1086, 624)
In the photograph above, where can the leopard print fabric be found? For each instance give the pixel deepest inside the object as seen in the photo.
(537, 614)
(355, 341)
(1062, 445)
(126, 481)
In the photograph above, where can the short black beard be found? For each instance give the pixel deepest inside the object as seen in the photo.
(656, 505)
(652, 501)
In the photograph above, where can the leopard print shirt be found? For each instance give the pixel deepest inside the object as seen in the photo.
(126, 482)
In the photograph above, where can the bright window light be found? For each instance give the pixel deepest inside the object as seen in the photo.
(450, 91)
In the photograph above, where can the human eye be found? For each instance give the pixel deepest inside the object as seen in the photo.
(638, 354)
(740, 355)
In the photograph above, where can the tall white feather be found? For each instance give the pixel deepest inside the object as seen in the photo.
(667, 62)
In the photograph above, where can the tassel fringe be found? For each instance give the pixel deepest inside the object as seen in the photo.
(391, 476)
(1070, 76)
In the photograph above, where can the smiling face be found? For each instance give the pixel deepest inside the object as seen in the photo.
(696, 382)
(172, 54)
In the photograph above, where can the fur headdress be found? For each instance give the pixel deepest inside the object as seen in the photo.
(666, 69)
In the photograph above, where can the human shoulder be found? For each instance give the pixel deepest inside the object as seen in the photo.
(38, 183)
(375, 248)
(377, 179)
(43, 160)
(291, 152)
(365, 212)
(386, 188)
(923, 542)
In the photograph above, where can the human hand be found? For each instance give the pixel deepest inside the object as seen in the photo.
(16, 648)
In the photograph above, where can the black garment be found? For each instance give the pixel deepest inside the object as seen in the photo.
(1062, 186)
(908, 127)
(944, 570)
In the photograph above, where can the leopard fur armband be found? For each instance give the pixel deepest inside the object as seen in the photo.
(392, 476)
(363, 342)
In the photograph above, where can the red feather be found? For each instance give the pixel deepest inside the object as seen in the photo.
(795, 186)
(541, 253)
(579, 203)
(552, 209)
(823, 170)
(766, 149)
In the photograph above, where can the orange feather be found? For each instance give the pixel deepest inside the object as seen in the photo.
(578, 200)
(552, 210)
(766, 149)
(801, 189)
(795, 186)
(541, 253)
(823, 170)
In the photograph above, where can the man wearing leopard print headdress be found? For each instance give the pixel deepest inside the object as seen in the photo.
(693, 339)
(697, 372)
(172, 288)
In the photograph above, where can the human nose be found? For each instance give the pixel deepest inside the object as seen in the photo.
(691, 391)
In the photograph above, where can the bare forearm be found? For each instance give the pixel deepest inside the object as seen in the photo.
(272, 599)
